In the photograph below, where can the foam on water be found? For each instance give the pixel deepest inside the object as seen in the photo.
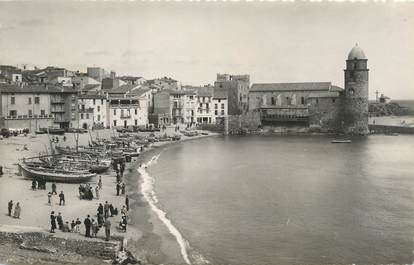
(147, 189)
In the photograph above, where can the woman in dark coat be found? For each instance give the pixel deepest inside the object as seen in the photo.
(52, 222)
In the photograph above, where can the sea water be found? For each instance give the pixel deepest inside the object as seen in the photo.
(287, 199)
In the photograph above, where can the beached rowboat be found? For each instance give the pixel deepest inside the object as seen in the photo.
(55, 175)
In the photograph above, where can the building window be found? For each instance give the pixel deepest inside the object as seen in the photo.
(115, 113)
(136, 111)
(99, 108)
(222, 112)
(302, 100)
(201, 105)
(273, 101)
(216, 106)
(37, 100)
(222, 105)
(99, 117)
(94, 101)
(207, 105)
(114, 122)
(82, 116)
(30, 113)
(42, 112)
(136, 122)
(219, 100)
(216, 112)
(13, 113)
(12, 100)
(101, 101)
(317, 101)
(30, 101)
(333, 100)
(87, 115)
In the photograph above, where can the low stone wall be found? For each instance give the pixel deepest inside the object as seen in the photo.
(248, 121)
(39, 241)
(390, 129)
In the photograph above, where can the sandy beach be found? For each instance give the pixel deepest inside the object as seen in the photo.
(147, 237)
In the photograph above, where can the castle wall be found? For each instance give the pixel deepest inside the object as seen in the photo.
(324, 114)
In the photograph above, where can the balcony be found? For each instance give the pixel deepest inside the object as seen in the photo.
(88, 110)
(24, 117)
(57, 101)
(126, 116)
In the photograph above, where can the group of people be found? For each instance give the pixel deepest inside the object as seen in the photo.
(39, 184)
(56, 221)
(85, 192)
(17, 209)
(120, 188)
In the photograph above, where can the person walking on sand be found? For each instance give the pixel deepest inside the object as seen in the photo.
(100, 209)
(87, 224)
(123, 188)
(106, 209)
(10, 207)
(17, 210)
(127, 202)
(61, 198)
(107, 229)
(52, 222)
(49, 196)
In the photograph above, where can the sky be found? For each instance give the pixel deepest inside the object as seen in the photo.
(193, 41)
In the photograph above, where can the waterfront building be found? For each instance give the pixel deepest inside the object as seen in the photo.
(219, 106)
(93, 110)
(36, 107)
(127, 111)
(204, 113)
(317, 105)
(237, 88)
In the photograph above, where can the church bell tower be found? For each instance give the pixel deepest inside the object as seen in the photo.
(355, 96)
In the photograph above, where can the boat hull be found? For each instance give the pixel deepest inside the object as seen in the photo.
(50, 176)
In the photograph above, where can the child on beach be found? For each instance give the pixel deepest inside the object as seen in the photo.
(17, 210)
(77, 225)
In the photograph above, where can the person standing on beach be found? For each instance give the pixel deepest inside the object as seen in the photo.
(87, 224)
(54, 188)
(17, 210)
(118, 188)
(52, 222)
(123, 188)
(10, 207)
(106, 209)
(97, 192)
(100, 209)
(77, 225)
(49, 196)
(107, 229)
(127, 202)
(61, 198)
(60, 221)
(100, 182)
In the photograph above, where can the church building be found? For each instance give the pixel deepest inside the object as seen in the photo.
(320, 106)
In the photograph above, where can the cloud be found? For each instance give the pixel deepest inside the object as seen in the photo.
(97, 53)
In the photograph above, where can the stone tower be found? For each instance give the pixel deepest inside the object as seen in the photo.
(354, 118)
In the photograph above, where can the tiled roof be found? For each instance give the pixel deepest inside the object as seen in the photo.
(91, 86)
(202, 91)
(138, 92)
(92, 96)
(131, 78)
(49, 89)
(306, 86)
(220, 93)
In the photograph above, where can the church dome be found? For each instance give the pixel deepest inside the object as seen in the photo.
(356, 53)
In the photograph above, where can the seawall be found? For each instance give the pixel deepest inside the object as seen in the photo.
(390, 129)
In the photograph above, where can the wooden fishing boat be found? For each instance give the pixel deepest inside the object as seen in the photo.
(53, 174)
(100, 167)
(344, 141)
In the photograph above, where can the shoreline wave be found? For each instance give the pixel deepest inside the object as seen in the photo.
(147, 189)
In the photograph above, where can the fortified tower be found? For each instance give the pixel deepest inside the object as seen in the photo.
(354, 118)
